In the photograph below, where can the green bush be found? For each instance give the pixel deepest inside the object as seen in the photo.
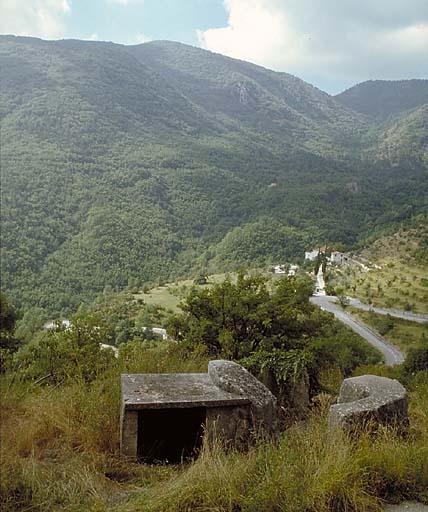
(64, 353)
(417, 359)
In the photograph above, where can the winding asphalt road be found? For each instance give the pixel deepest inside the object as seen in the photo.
(392, 355)
(405, 315)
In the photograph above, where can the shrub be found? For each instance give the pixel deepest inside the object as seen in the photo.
(417, 359)
(64, 353)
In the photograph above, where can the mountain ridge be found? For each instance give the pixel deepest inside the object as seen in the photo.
(387, 97)
(126, 164)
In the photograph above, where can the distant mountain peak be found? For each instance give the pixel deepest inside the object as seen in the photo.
(384, 98)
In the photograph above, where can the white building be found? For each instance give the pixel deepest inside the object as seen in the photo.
(338, 258)
(292, 270)
(66, 324)
(160, 331)
(279, 269)
(312, 255)
(104, 346)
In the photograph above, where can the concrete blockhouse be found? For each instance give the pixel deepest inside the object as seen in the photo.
(165, 417)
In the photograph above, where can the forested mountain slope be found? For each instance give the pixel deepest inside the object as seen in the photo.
(400, 109)
(404, 139)
(385, 98)
(129, 164)
(254, 97)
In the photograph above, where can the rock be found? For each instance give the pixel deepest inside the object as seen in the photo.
(233, 378)
(369, 399)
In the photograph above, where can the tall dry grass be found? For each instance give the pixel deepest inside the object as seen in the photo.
(60, 444)
(59, 452)
(311, 469)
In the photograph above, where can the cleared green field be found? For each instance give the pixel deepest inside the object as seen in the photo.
(170, 295)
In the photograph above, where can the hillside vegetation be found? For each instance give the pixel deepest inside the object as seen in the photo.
(404, 334)
(399, 108)
(385, 98)
(398, 272)
(64, 393)
(128, 165)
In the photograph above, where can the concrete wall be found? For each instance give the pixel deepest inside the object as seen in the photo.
(129, 433)
(230, 426)
(363, 402)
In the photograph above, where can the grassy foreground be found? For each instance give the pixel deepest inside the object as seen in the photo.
(60, 452)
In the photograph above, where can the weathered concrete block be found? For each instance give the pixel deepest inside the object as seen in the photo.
(233, 378)
(369, 400)
(228, 425)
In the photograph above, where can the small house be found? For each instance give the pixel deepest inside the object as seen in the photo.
(279, 269)
(338, 258)
(292, 270)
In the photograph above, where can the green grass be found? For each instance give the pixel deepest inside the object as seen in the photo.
(396, 285)
(402, 333)
(311, 469)
(401, 282)
(60, 452)
(162, 296)
(170, 295)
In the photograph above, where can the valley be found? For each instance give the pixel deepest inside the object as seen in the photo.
(165, 207)
(129, 165)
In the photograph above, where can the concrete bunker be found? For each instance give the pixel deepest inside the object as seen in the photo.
(165, 417)
(369, 400)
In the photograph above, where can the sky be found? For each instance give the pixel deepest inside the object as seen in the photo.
(332, 44)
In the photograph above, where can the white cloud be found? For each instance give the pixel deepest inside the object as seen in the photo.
(254, 32)
(92, 37)
(141, 38)
(137, 39)
(357, 40)
(39, 18)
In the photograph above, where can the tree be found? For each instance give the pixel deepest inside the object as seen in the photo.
(343, 300)
(30, 324)
(236, 319)
(8, 318)
(125, 330)
(66, 353)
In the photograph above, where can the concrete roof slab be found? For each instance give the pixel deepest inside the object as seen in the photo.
(175, 390)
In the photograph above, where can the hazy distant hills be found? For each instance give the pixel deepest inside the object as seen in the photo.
(401, 109)
(384, 98)
(122, 165)
(243, 94)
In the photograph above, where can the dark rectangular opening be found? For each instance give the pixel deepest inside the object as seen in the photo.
(170, 435)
